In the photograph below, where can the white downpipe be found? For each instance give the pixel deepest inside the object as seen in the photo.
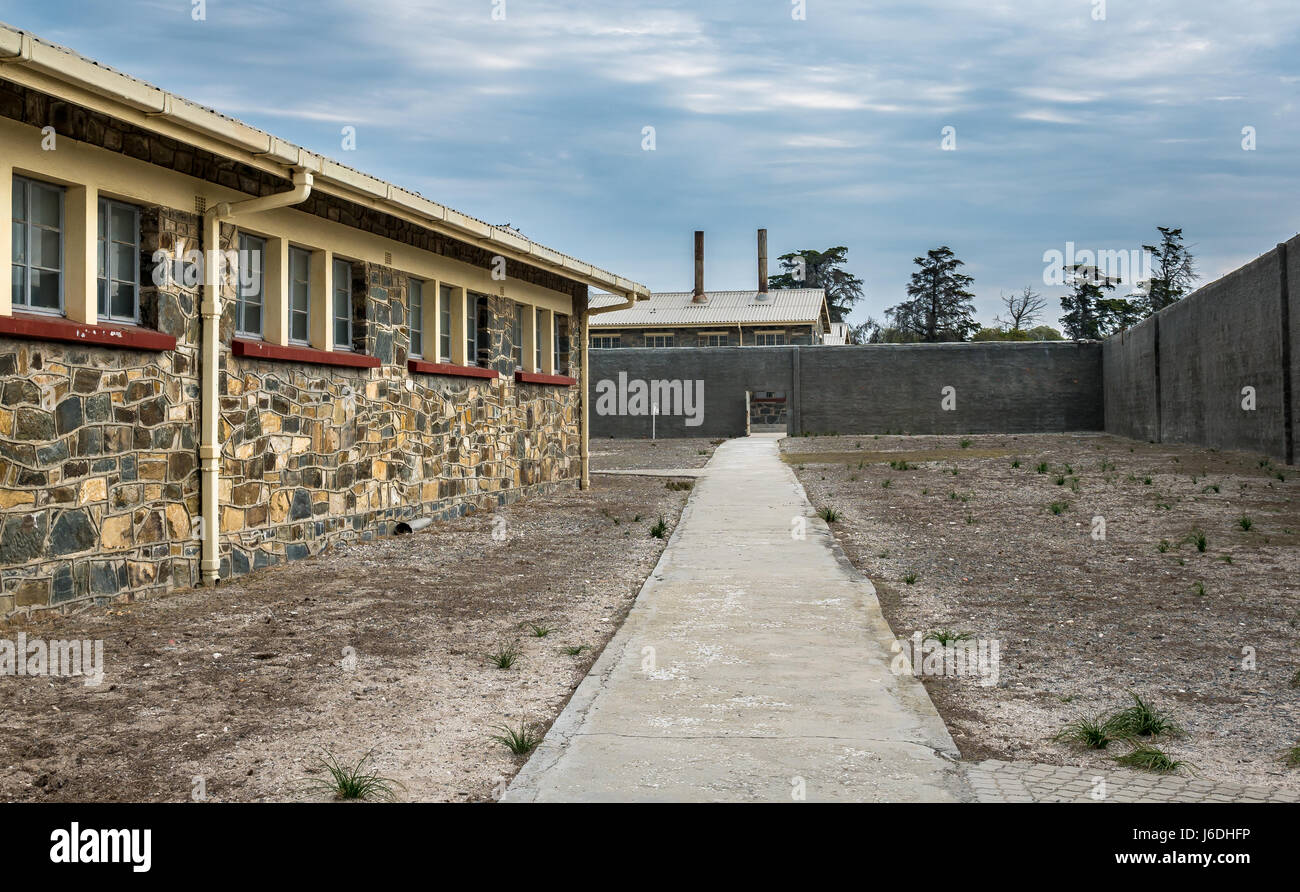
(209, 447)
(585, 480)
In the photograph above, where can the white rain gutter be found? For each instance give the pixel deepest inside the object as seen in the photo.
(585, 455)
(209, 395)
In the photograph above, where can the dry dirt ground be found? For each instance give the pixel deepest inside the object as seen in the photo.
(626, 455)
(1082, 620)
(379, 646)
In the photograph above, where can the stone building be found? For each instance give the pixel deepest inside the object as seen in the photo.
(220, 351)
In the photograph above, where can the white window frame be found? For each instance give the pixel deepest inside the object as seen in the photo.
(539, 338)
(339, 289)
(446, 294)
(108, 261)
(661, 336)
(23, 298)
(415, 316)
(306, 254)
(778, 338)
(248, 245)
(598, 342)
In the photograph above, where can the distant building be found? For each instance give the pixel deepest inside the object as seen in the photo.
(838, 335)
(722, 319)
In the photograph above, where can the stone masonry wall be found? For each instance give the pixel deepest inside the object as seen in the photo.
(99, 484)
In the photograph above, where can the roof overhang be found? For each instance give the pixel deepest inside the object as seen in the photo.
(59, 72)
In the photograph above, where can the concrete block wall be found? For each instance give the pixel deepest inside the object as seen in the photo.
(1012, 387)
(1180, 376)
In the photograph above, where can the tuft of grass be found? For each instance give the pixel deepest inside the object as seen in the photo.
(680, 485)
(1058, 508)
(1150, 758)
(884, 484)
(1245, 522)
(575, 650)
(660, 529)
(1197, 538)
(902, 465)
(520, 740)
(910, 578)
(1060, 480)
(1042, 467)
(1199, 589)
(1146, 481)
(1213, 487)
(1095, 734)
(1142, 720)
(1163, 546)
(828, 514)
(539, 630)
(1016, 463)
(352, 782)
(504, 656)
(1293, 757)
(965, 444)
(947, 636)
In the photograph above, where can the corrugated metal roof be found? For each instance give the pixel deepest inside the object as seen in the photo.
(794, 305)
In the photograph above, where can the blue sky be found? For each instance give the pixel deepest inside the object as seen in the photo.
(825, 130)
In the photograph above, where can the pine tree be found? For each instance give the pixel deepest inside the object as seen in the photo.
(822, 269)
(941, 307)
(1174, 273)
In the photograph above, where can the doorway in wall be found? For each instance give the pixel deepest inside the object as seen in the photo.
(767, 412)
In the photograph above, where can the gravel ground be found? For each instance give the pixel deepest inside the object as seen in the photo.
(375, 647)
(1081, 620)
(627, 455)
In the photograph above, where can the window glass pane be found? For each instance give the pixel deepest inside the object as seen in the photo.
(45, 248)
(20, 199)
(45, 289)
(252, 319)
(298, 327)
(101, 289)
(124, 271)
(45, 205)
(20, 242)
(123, 300)
(299, 264)
(123, 224)
(99, 223)
(342, 336)
(17, 290)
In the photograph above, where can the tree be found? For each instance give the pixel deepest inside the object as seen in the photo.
(941, 307)
(1174, 273)
(1022, 309)
(1082, 320)
(1045, 333)
(868, 332)
(1090, 313)
(822, 269)
(1002, 334)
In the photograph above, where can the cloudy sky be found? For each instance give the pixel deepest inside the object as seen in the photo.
(1070, 125)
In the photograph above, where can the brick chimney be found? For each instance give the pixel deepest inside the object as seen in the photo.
(762, 262)
(698, 295)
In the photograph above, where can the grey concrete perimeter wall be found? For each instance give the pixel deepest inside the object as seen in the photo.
(1179, 376)
(1000, 387)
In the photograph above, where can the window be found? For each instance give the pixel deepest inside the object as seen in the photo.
(605, 342)
(444, 323)
(769, 339)
(483, 331)
(517, 337)
(714, 340)
(659, 340)
(415, 315)
(299, 295)
(251, 294)
(539, 339)
(119, 261)
(342, 306)
(37, 246)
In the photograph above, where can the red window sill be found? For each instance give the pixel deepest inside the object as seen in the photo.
(540, 378)
(56, 328)
(263, 350)
(445, 368)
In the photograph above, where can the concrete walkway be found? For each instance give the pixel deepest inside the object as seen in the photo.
(754, 666)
